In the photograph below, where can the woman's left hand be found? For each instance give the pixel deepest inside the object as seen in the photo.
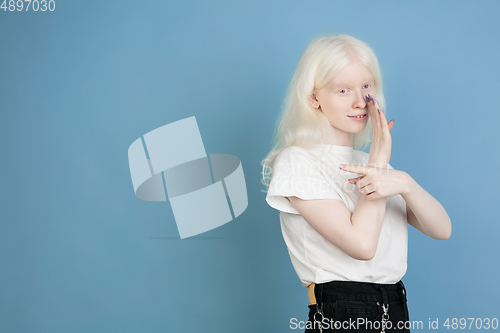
(379, 183)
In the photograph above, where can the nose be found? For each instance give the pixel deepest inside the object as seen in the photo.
(360, 102)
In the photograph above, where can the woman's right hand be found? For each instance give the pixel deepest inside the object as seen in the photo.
(381, 144)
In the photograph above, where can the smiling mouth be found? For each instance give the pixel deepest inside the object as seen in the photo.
(360, 117)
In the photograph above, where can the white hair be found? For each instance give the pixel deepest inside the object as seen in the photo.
(299, 123)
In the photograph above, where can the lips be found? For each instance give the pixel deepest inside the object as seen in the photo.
(361, 118)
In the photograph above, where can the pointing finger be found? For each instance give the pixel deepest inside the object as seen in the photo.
(359, 169)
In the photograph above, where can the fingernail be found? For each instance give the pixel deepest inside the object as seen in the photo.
(341, 166)
(378, 111)
(366, 99)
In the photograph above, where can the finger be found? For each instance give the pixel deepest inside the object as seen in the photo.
(373, 112)
(364, 182)
(359, 169)
(370, 107)
(379, 114)
(373, 196)
(390, 124)
(385, 125)
(355, 180)
(366, 189)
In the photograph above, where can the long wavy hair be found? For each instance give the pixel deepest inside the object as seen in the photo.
(299, 124)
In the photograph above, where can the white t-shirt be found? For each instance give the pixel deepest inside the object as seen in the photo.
(315, 174)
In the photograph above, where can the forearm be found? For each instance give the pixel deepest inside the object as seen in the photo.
(430, 214)
(367, 220)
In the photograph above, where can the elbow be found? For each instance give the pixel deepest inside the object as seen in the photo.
(446, 233)
(444, 236)
(364, 252)
(360, 251)
(365, 256)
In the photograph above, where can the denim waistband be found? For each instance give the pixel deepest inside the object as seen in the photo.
(358, 291)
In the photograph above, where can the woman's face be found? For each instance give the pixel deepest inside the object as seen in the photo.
(344, 97)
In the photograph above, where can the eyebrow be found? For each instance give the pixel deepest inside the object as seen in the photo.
(344, 84)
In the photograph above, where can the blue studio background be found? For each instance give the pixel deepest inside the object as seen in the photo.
(80, 253)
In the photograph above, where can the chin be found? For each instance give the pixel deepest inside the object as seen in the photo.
(360, 129)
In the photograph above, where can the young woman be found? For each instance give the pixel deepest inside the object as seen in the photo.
(343, 212)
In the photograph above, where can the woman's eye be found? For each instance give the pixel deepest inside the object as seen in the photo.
(342, 91)
(366, 86)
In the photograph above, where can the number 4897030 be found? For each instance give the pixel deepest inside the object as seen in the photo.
(36, 5)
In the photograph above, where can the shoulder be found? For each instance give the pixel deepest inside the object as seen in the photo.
(295, 149)
(295, 154)
(296, 161)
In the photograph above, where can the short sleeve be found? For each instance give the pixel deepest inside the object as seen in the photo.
(297, 173)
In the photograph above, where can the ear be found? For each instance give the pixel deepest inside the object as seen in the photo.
(314, 101)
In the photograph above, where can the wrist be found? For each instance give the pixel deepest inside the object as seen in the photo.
(378, 164)
(409, 185)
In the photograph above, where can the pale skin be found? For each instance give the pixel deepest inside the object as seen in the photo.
(357, 233)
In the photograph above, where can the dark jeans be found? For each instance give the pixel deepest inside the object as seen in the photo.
(348, 306)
